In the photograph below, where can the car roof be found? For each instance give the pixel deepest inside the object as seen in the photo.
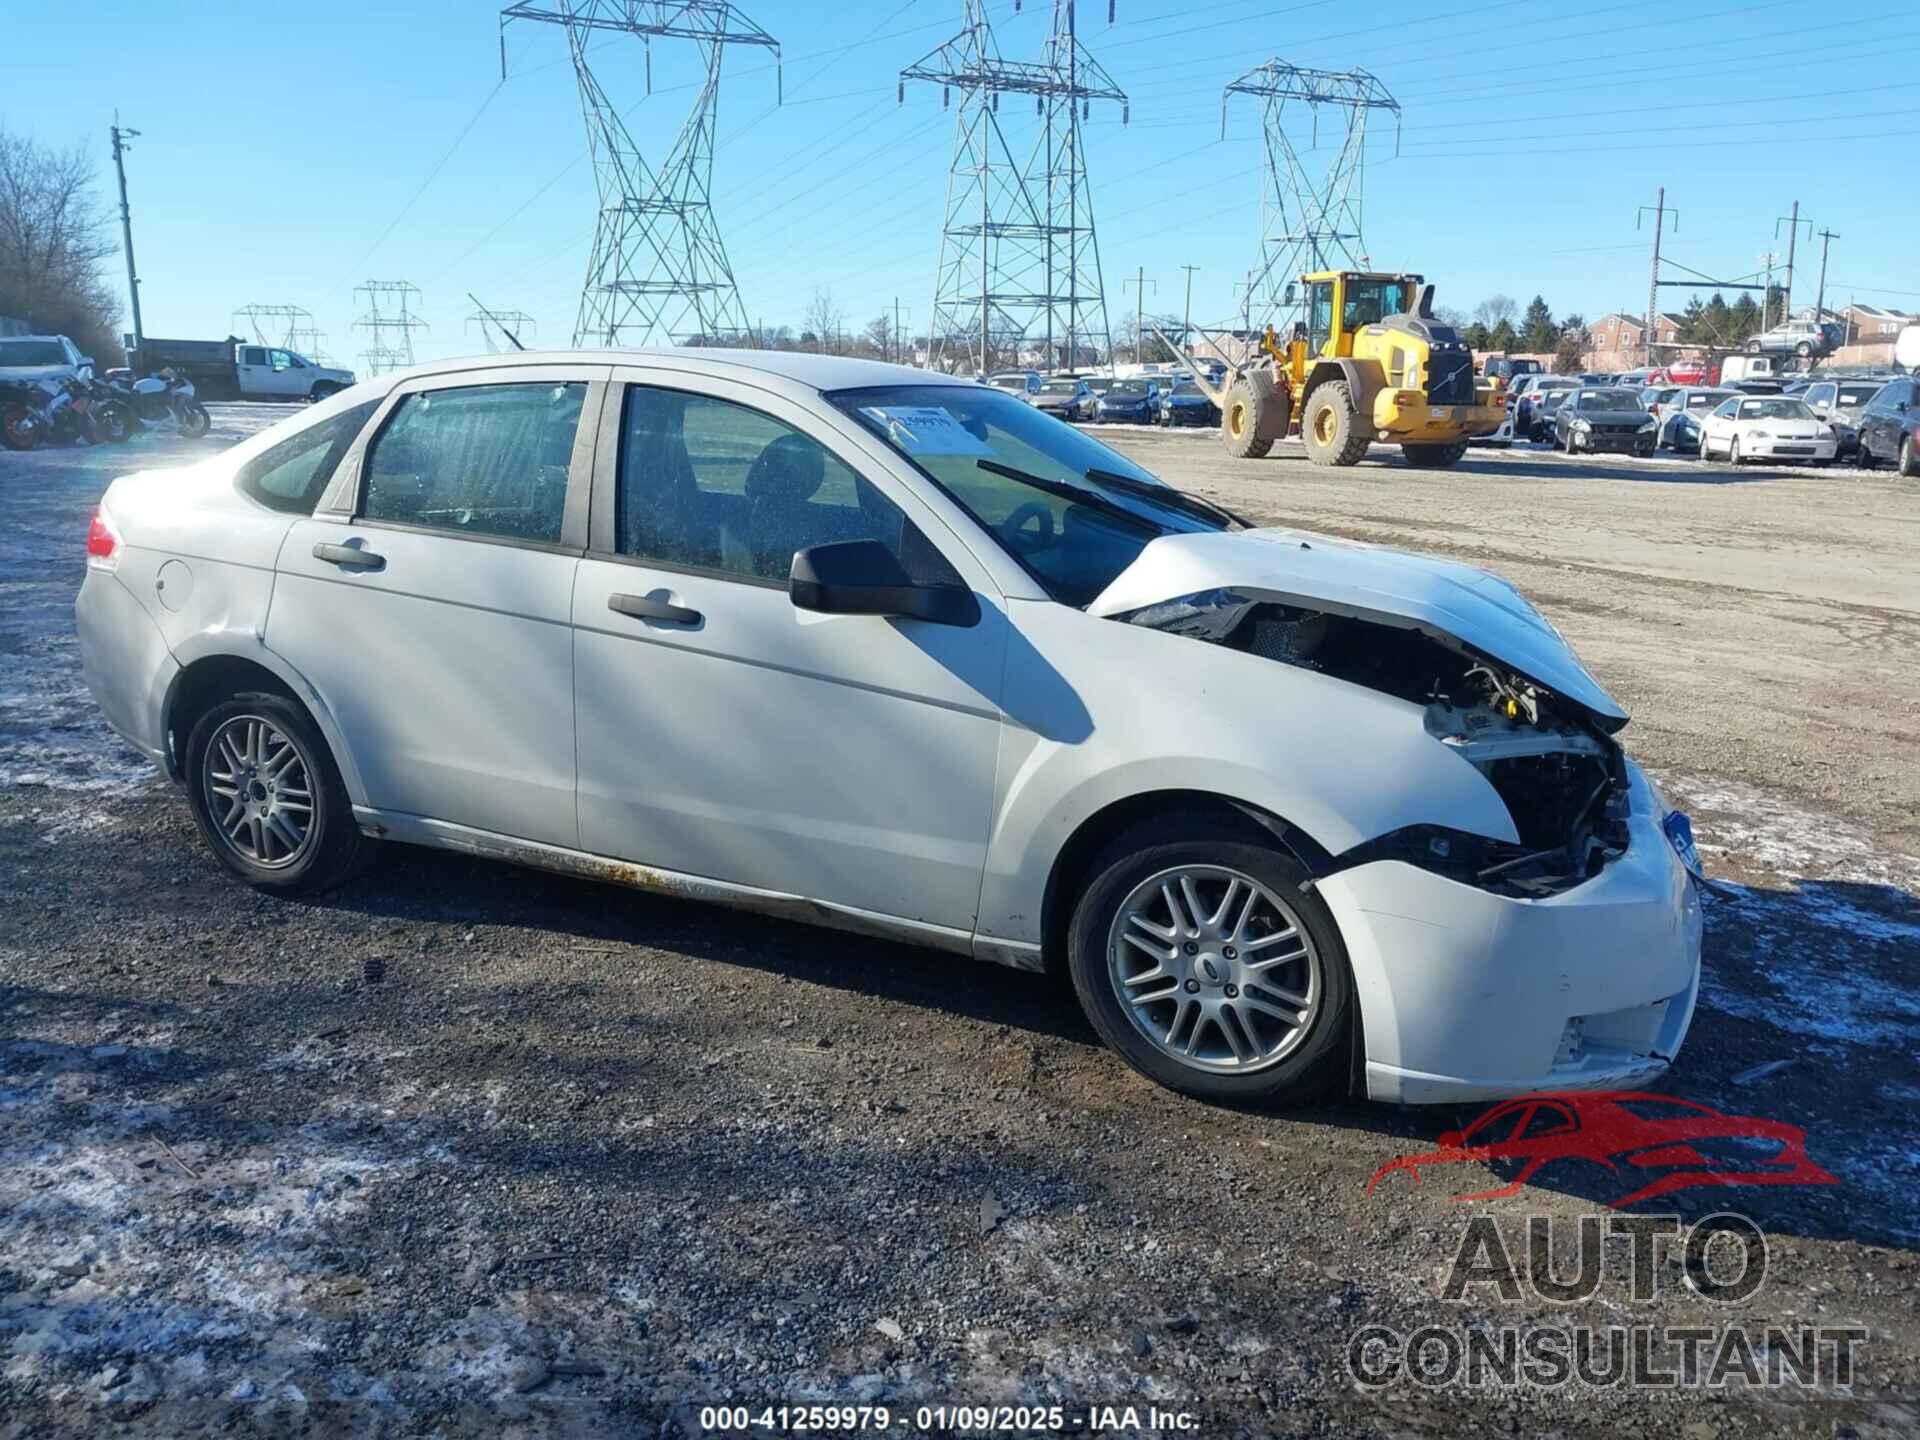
(817, 372)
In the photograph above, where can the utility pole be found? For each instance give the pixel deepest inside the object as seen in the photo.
(1660, 213)
(120, 138)
(1186, 323)
(1140, 283)
(1793, 223)
(899, 345)
(1768, 259)
(1827, 237)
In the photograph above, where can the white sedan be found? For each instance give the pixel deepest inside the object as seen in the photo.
(1766, 427)
(869, 647)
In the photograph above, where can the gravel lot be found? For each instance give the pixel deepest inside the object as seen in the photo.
(583, 1160)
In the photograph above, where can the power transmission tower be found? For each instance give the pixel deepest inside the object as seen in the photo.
(305, 340)
(1308, 221)
(274, 324)
(1018, 249)
(658, 271)
(389, 324)
(511, 326)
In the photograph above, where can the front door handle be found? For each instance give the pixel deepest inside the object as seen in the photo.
(349, 557)
(646, 607)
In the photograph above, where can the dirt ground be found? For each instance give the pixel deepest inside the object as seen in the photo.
(583, 1161)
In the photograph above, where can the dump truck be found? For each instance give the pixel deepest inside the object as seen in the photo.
(1369, 363)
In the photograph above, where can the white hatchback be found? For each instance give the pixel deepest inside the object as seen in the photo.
(869, 647)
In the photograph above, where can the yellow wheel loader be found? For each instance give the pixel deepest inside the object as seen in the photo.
(1369, 363)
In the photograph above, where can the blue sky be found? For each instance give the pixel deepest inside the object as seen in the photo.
(285, 159)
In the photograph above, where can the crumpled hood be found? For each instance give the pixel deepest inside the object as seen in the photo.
(1392, 587)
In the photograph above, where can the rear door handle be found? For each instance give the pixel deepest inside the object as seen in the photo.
(349, 557)
(646, 607)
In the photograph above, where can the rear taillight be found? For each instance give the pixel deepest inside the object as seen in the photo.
(103, 541)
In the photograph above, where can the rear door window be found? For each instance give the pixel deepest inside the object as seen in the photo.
(477, 460)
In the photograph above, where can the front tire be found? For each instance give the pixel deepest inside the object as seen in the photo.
(193, 419)
(1199, 958)
(1733, 451)
(268, 797)
(1909, 461)
(1330, 427)
(1435, 457)
(18, 429)
(1248, 424)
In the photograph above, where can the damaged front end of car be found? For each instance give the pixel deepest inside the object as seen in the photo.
(1551, 759)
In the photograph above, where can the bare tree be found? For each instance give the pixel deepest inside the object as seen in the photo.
(879, 336)
(54, 236)
(1494, 309)
(825, 321)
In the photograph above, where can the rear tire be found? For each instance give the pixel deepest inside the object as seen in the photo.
(1909, 462)
(244, 761)
(1330, 426)
(1285, 1062)
(1434, 457)
(1249, 424)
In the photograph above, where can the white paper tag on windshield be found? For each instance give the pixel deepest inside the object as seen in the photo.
(926, 430)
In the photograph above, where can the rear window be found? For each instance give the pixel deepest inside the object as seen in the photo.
(478, 460)
(292, 476)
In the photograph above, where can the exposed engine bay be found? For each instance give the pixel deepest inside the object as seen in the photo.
(1562, 777)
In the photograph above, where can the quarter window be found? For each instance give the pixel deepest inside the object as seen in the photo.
(480, 460)
(292, 475)
(709, 485)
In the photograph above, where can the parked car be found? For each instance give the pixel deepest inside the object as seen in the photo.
(1505, 367)
(1016, 382)
(1607, 420)
(1545, 406)
(1654, 398)
(1635, 379)
(1527, 408)
(1765, 427)
(1065, 399)
(1132, 402)
(781, 639)
(28, 359)
(1803, 338)
(1840, 403)
(1596, 379)
(1185, 403)
(1099, 385)
(1890, 426)
(1680, 420)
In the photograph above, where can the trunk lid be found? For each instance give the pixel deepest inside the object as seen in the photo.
(1448, 602)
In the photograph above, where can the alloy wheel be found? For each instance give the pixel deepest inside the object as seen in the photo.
(259, 791)
(1214, 969)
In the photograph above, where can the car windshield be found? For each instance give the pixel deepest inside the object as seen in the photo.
(1608, 400)
(1060, 387)
(1074, 513)
(1707, 399)
(1550, 400)
(1852, 397)
(1129, 387)
(1008, 382)
(1185, 387)
(1781, 409)
(1100, 386)
(31, 352)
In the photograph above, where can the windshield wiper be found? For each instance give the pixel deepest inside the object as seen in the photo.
(1167, 495)
(1066, 490)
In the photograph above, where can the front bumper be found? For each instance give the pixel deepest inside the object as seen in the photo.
(1630, 442)
(1404, 415)
(1780, 449)
(1465, 995)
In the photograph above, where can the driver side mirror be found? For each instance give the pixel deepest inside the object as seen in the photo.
(863, 577)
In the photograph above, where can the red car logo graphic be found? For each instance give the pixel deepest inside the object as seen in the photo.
(1676, 1143)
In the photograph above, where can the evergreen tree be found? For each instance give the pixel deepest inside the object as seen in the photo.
(1538, 333)
(1691, 320)
(1476, 335)
(1716, 322)
(1743, 319)
(1502, 337)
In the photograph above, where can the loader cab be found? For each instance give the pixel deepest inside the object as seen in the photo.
(1339, 302)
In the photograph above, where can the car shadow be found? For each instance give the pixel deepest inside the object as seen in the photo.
(1679, 470)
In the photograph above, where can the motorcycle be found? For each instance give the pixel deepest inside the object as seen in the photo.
(108, 418)
(53, 411)
(163, 398)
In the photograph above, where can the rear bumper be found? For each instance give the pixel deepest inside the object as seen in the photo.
(1466, 995)
(125, 662)
(1405, 415)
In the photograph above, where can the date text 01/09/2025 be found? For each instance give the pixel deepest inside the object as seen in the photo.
(803, 1419)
